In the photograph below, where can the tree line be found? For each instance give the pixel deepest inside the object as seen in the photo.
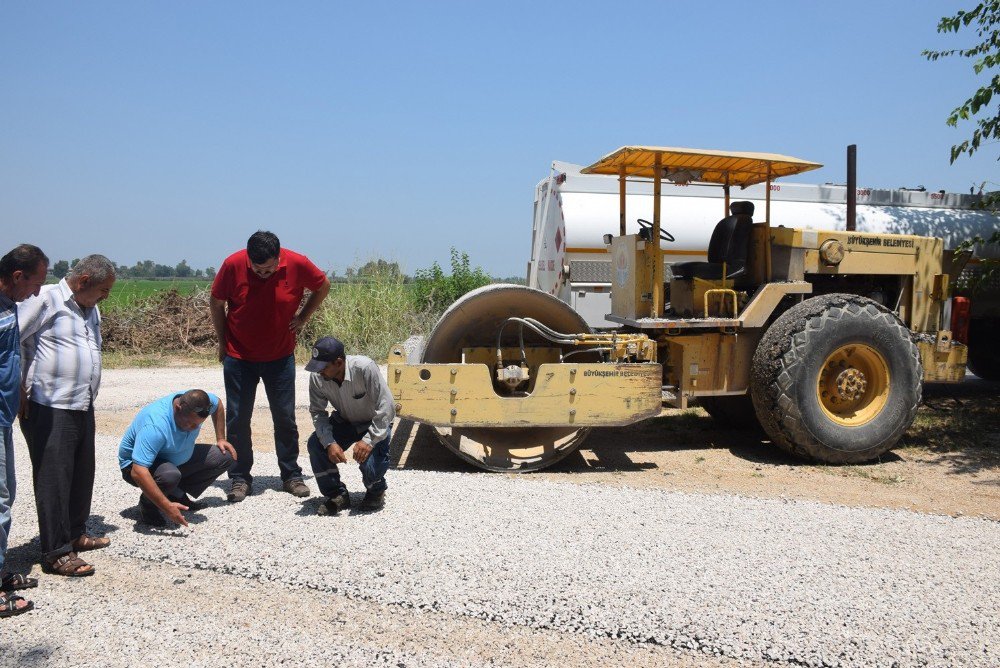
(143, 269)
(463, 274)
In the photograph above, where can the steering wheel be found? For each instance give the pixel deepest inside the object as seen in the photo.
(646, 225)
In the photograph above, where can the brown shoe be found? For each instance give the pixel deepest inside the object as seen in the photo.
(296, 487)
(238, 491)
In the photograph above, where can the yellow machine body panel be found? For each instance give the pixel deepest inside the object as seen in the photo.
(567, 394)
(919, 260)
(631, 275)
(710, 363)
(943, 360)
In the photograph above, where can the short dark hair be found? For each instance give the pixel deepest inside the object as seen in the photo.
(24, 258)
(262, 246)
(196, 401)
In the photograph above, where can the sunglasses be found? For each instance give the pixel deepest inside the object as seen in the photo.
(200, 412)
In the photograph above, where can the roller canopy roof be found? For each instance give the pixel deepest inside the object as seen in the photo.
(684, 165)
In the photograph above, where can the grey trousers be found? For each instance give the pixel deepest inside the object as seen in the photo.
(192, 477)
(61, 448)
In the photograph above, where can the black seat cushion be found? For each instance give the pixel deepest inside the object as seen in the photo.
(730, 244)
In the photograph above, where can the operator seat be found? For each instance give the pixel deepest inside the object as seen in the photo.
(730, 244)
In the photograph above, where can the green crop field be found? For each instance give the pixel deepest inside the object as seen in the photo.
(128, 290)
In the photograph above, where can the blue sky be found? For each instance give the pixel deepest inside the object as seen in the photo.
(173, 130)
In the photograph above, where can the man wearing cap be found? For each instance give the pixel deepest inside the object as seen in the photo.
(158, 454)
(256, 313)
(362, 417)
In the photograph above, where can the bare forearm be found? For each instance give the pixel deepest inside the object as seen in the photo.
(144, 479)
(219, 422)
(218, 309)
(314, 300)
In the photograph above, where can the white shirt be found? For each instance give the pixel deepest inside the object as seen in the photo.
(363, 400)
(60, 349)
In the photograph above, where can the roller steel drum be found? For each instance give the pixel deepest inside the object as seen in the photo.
(474, 320)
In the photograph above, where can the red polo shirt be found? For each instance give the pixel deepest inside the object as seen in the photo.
(261, 309)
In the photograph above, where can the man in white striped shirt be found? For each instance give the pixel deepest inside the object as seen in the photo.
(61, 358)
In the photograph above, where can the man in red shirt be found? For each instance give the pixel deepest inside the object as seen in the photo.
(255, 310)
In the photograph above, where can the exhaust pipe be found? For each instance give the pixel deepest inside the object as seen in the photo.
(852, 188)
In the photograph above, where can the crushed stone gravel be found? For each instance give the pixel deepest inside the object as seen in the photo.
(786, 582)
(484, 569)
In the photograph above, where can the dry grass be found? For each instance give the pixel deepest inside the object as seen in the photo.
(368, 316)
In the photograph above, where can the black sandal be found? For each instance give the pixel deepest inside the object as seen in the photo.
(8, 605)
(14, 581)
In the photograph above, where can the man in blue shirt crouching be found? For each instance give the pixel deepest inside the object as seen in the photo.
(158, 454)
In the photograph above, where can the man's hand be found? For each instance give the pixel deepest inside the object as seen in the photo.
(222, 351)
(336, 454)
(297, 323)
(226, 446)
(361, 451)
(173, 513)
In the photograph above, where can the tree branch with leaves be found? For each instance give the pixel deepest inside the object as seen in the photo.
(984, 19)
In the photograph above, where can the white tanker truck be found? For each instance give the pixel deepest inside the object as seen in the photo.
(573, 213)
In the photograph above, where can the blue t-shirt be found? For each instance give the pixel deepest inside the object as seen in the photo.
(10, 361)
(154, 436)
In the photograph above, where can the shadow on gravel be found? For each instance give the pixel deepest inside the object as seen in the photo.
(261, 484)
(613, 448)
(171, 529)
(415, 447)
(310, 506)
(21, 558)
(98, 527)
(36, 655)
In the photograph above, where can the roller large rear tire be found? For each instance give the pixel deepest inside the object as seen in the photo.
(836, 379)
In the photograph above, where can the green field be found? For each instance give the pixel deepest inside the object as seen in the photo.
(128, 290)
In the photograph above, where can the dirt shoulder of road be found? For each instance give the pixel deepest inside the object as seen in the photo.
(947, 463)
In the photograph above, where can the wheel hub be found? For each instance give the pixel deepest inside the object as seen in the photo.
(851, 384)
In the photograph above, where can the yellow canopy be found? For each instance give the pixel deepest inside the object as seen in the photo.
(683, 165)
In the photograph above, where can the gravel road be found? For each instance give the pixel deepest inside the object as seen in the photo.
(481, 569)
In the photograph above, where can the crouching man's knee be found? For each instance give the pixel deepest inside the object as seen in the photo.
(225, 461)
(219, 461)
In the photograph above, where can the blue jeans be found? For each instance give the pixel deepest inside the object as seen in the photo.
(241, 389)
(8, 486)
(372, 469)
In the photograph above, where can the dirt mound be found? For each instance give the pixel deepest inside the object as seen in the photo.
(163, 322)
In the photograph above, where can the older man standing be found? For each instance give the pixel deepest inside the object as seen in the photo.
(22, 273)
(255, 310)
(61, 347)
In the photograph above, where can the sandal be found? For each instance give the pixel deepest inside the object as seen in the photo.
(9, 607)
(85, 543)
(13, 581)
(68, 565)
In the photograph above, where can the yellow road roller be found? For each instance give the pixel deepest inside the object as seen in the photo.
(823, 338)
